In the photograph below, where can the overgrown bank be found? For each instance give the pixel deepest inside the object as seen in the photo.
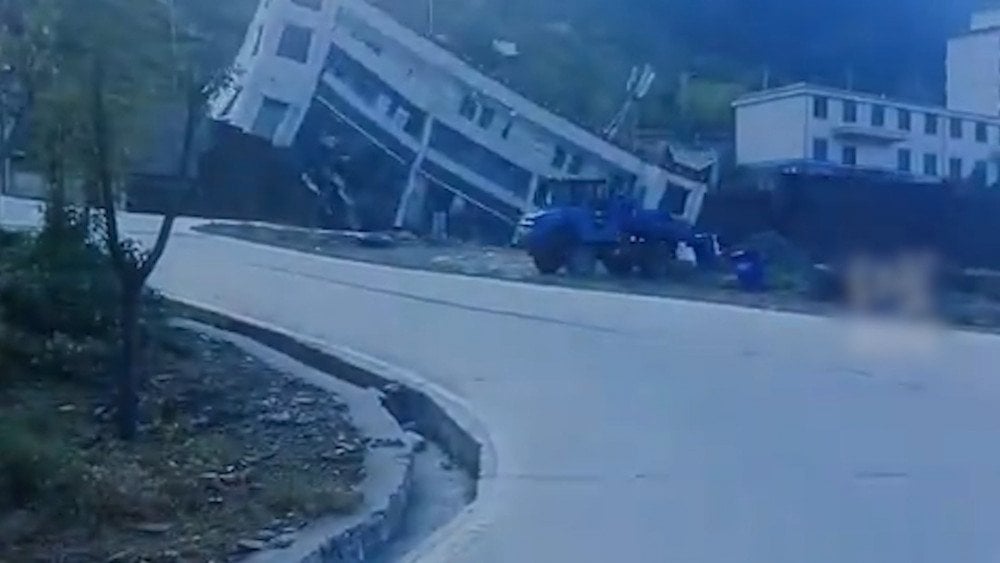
(231, 456)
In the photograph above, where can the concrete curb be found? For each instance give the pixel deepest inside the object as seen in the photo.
(389, 466)
(413, 408)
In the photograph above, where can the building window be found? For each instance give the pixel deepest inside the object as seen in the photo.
(930, 164)
(468, 107)
(311, 4)
(559, 158)
(575, 164)
(479, 159)
(486, 117)
(232, 101)
(269, 118)
(981, 133)
(821, 149)
(820, 107)
(903, 160)
(955, 168)
(506, 128)
(849, 156)
(955, 128)
(904, 119)
(294, 43)
(257, 40)
(850, 111)
(931, 124)
(878, 116)
(368, 37)
(980, 170)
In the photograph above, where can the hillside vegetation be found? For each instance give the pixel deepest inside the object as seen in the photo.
(575, 54)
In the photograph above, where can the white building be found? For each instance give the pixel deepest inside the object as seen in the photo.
(973, 66)
(324, 66)
(804, 122)
(816, 124)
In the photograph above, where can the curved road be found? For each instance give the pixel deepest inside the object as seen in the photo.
(637, 429)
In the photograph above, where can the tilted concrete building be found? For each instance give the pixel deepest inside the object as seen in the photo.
(314, 72)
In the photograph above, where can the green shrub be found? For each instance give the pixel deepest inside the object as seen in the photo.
(59, 281)
(59, 296)
(27, 461)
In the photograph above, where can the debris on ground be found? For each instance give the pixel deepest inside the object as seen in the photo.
(233, 457)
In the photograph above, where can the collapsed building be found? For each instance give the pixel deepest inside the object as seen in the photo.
(341, 108)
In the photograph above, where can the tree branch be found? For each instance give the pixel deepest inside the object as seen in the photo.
(193, 107)
(103, 175)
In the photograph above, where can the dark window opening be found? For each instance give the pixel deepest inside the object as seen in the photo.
(930, 164)
(486, 117)
(930, 124)
(821, 149)
(903, 160)
(480, 160)
(820, 107)
(955, 168)
(295, 42)
(878, 116)
(559, 158)
(850, 111)
(468, 107)
(850, 156)
(955, 128)
(257, 41)
(575, 164)
(269, 118)
(904, 119)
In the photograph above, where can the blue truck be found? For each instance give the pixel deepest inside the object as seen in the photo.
(584, 222)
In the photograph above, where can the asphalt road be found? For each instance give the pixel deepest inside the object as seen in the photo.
(633, 429)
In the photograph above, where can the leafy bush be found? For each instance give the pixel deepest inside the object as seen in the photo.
(59, 281)
(59, 297)
(27, 461)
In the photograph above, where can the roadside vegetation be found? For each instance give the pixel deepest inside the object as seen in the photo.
(122, 438)
(229, 456)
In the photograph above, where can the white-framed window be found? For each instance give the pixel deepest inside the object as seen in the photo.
(295, 42)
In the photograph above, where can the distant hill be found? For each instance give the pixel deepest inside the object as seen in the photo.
(575, 54)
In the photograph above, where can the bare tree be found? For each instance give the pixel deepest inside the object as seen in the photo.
(132, 265)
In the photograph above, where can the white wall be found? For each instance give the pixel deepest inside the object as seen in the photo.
(973, 71)
(784, 129)
(265, 74)
(772, 131)
(985, 19)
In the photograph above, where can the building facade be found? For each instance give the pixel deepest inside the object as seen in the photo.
(973, 66)
(854, 130)
(312, 72)
(804, 122)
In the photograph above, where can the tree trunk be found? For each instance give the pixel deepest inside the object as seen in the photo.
(128, 392)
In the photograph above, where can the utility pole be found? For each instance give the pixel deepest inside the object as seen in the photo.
(4, 161)
(173, 39)
(430, 18)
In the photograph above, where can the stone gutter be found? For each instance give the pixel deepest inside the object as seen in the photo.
(357, 538)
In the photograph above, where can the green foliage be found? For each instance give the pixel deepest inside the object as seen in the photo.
(28, 460)
(59, 299)
(59, 282)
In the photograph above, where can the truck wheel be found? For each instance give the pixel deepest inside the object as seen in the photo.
(548, 262)
(582, 261)
(618, 263)
(655, 258)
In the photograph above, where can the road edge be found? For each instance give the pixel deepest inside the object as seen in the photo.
(414, 401)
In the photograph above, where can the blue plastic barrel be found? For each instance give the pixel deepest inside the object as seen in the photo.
(749, 268)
